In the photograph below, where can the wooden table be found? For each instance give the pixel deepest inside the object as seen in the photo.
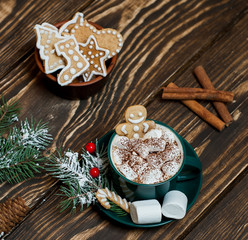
(164, 41)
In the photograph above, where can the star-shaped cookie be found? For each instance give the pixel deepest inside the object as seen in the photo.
(96, 57)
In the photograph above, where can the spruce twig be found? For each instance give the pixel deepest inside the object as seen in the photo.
(21, 151)
(74, 171)
(8, 114)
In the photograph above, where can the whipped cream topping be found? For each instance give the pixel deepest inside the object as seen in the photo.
(152, 159)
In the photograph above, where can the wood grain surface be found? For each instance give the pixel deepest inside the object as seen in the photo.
(164, 41)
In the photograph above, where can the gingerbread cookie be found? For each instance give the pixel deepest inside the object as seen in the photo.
(96, 57)
(107, 38)
(76, 62)
(47, 36)
(136, 125)
(103, 194)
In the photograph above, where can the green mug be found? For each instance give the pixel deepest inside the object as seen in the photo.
(132, 191)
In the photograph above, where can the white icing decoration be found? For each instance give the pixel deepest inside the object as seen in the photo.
(91, 62)
(79, 65)
(72, 43)
(136, 128)
(140, 114)
(89, 52)
(75, 58)
(87, 24)
(102, 192)
(103, 32)
(48, 41)
(66, 30)
(103, 52)
(96, 55)
(67, 45)
(99, 69)
(131, 115)
(114, 32)
(62, 47)
(72, 70)
(146, 127)
(76, 27)
(66, 77)
(73, 30)
(45, 55)
(90, 47)
(123, 129)
(94, 30)
(70, 51)
(135, 121)
(136, 135)
(120, 44)
(68, 60)
(73, 21)
(109, 31)
(91, 27)
(96, 66)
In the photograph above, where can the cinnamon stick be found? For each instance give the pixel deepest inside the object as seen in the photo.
(196, 93)
(219, 106)
(202, 111)
(195, 90)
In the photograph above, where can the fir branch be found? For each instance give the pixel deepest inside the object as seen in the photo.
(116, 209)
(8, 114)
(74, 172)
(21, 151)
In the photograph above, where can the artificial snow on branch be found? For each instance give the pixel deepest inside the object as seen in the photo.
(21, 148)
(81, 175)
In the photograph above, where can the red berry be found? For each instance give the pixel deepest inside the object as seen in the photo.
(94, 172)
(90, 147)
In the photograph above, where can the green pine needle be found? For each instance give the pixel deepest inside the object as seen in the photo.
(116, 209)
(8, 114)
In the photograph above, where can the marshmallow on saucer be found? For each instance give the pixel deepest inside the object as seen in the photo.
(174, 204)
(146, 211)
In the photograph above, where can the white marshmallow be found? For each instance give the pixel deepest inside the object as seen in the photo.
(146, 211)
(174, 204)
(153, 133)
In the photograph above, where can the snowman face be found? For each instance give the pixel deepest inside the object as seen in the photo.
(136, 114)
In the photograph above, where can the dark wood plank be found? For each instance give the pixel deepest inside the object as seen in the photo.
(228, 219)
(17, 20)
(76, 122)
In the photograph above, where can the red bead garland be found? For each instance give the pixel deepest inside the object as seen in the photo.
(90, 147)
(94, 172)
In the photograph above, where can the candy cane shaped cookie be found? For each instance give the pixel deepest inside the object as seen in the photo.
(47, 36)
(103, 194)
(76, 62)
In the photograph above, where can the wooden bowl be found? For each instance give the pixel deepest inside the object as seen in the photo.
(78, 89)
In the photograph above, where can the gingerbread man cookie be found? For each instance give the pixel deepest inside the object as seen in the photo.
(136, 125)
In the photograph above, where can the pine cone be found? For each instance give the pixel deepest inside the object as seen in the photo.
(12, 211)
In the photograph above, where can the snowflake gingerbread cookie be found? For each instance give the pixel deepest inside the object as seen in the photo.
(136, 125)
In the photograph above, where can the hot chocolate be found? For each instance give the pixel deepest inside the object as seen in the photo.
(154, 158)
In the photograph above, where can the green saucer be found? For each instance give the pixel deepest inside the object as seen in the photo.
(191, 188)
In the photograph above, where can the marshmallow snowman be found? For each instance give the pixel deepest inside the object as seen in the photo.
(136, 125)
